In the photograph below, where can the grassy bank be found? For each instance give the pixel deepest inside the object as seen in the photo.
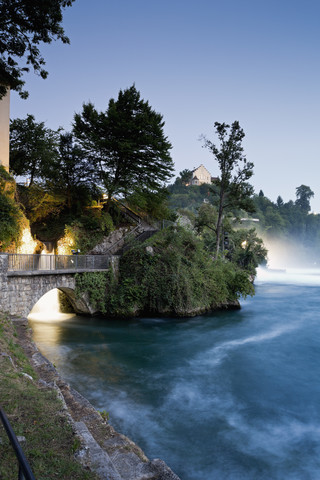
(35, 413)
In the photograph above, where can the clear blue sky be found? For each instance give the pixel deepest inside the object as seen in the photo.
(198, 62)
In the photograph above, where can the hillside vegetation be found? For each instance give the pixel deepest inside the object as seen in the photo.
(172, 273)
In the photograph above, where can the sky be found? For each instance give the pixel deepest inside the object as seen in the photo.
(197, 62)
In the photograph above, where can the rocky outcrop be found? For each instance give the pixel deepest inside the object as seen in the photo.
(116, 242)
(113, 242)
(167, 312)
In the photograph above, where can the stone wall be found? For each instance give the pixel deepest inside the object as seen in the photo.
(19, 291)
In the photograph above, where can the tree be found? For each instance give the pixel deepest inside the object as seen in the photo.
(125, 146)
(70, 174)
(152, 204)
(24, 24)
(304, 194)
(232, 187)
(247, 250)
(184, 177)
(280, 202)
(33, 148)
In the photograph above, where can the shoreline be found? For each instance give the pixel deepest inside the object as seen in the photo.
(108, 453)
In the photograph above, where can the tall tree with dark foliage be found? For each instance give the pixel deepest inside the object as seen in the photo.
(24, 25)
(125, 145)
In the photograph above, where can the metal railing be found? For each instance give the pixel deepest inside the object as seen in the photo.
(27, 263)
(25, 472)
(127, 237)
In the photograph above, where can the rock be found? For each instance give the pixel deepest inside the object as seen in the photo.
(150, 250)
(93, 456)
(111, 243)
(184, 222)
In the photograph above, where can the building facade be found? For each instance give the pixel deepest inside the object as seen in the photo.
(4, 130)
(200, 175)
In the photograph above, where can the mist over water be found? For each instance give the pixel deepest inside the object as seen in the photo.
(290, 253)
(231, 395)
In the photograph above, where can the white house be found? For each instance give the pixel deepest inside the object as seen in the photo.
(200, 175)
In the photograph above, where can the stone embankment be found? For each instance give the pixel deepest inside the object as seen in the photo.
(111, 455)
(117, 240)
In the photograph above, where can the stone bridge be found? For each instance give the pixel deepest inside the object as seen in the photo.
(24, 279)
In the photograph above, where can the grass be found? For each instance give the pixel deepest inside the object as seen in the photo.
(37, 414)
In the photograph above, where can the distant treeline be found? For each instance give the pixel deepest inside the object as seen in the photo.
(290, 222)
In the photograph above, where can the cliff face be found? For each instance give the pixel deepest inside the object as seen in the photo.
(112, 243)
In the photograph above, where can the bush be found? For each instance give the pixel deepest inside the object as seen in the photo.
(10, 222)
(85, 233)
(178, 277)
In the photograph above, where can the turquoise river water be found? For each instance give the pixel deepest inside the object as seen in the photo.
(230, 395)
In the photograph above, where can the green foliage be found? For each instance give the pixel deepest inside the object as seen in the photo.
(105, 415)
(284, 220)
(69, 174)
(178, 277)
(34, 412)
(94, 284)
(304, 194)
(246, 249)
(152, 204)
(39, 203)
(125, 146)
(89, 230)
(232, 187)
(4, 177)
(33, 148)
(291, 223)
(207, 217)
(11, 217)
(23, 26)
(189, 197)
(184, 177)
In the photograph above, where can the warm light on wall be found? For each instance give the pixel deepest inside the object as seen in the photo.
(28, 244)
(65, 245)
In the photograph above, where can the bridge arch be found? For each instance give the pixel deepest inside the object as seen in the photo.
(22, 285)
(24, 291)
(51, 303)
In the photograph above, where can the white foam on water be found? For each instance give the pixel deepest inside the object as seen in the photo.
(131, 416)
(270, 438)
(219, 352)
(289, 276)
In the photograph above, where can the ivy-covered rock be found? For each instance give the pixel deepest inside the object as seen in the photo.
(176, 276)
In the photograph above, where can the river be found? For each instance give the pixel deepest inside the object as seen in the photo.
(230, 395)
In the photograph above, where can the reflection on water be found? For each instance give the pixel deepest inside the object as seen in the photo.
(46, 310)
(234, 395)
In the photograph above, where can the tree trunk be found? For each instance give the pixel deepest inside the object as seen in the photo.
(219, 222)
(108, 203)
(69, 199)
